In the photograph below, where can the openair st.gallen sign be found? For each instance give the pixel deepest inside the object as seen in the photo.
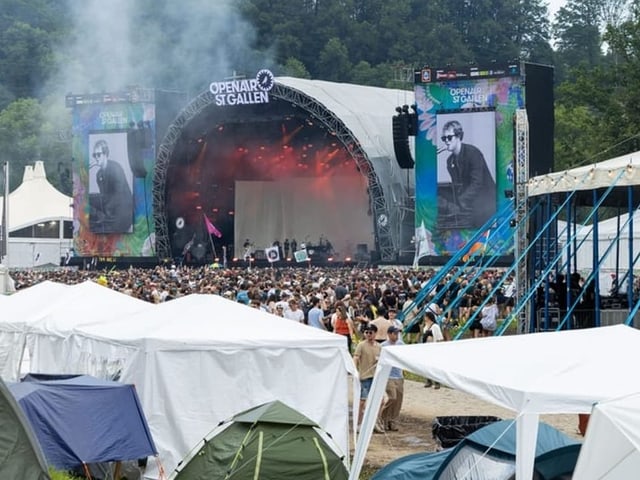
(245, 91)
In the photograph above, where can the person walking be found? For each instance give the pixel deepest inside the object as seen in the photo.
(390, 412)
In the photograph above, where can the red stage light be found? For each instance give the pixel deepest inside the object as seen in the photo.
(330, 259)
(231, 212)
(234, 259)
(215, 210)
(198, 207)
(348, 259)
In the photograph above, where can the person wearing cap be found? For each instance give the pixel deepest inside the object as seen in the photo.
(395, 386)
(366, 358)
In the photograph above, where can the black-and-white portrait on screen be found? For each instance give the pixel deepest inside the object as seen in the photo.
(466, 169)
(110, 183)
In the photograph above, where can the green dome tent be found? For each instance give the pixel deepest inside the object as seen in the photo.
(264, 442)
(20, 454)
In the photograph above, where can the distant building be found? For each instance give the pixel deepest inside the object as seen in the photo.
(40, 222)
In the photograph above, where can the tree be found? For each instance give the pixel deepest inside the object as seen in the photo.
(20, 128)
(334, 61)
(295, 68)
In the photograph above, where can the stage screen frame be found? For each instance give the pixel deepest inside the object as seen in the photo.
(439, 92)
(90, 120)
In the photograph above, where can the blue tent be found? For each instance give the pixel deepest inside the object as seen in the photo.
(82, 420)
(488, 453)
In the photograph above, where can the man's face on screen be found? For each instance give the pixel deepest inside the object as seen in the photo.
(450, 140)
(100, 157)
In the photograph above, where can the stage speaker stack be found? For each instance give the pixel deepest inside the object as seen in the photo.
(400, 124)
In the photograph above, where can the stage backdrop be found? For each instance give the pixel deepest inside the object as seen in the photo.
(484, 102)
(309, 210)
(128, 126)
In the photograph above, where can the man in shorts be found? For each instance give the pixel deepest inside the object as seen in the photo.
(366, 359)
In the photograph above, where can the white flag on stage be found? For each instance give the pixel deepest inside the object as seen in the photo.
(272, 254)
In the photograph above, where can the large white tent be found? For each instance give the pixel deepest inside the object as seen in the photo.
(17, 310)
(539, 373)
(200, 359)
(36, 204)
(611, 448)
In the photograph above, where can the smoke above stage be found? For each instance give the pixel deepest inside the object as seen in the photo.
(268, 174)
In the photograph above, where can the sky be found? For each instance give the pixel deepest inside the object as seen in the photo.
(554, 6)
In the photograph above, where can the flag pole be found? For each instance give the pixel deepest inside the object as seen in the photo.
(213, 248)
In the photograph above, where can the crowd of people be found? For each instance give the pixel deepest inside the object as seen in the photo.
(362, 304)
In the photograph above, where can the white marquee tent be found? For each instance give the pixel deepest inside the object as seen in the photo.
(52, 310)
(533, 374)
(611, 448)
(17, 310)
(37, 202)
(200, 359)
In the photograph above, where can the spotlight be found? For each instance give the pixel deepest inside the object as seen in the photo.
(513, 223)
(508, 193)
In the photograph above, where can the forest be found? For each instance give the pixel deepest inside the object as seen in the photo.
(49, 48)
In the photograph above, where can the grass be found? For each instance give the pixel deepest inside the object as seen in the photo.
(56, 475)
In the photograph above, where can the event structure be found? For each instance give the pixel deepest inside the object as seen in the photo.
(39, 222)
(246, 165)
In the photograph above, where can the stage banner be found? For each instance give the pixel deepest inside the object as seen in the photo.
(272, 254)
(464, 155)
(301, 256)
(113, 161)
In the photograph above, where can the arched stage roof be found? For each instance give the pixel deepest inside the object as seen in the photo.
(360, 117)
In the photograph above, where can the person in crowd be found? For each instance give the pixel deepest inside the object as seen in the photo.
(366, 358)
(472, 199)
(431, 333)
(489, 320)
(342, 324)
(112, 209)
(315, 316)
(390, 412)
(382, 324)
(294, 312)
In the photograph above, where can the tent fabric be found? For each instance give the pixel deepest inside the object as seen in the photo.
(199, 359)
(493, 448)
(589, 177)
(53, 310)
(16, 310)
(36, 200)
(531, 374)
(611, 448)
(20, 454)
(82, 420)
(269, 441)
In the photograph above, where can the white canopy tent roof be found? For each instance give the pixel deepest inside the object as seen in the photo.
(52, 310)
(200, 359)
(589, 177)
(36, 200)
(533, 374)
(611, 448)
(17, 310)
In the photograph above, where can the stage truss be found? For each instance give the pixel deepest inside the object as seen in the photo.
(379, 208)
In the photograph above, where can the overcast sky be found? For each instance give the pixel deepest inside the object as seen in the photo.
(554, 5)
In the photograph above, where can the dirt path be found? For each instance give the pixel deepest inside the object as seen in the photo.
(419, 409)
